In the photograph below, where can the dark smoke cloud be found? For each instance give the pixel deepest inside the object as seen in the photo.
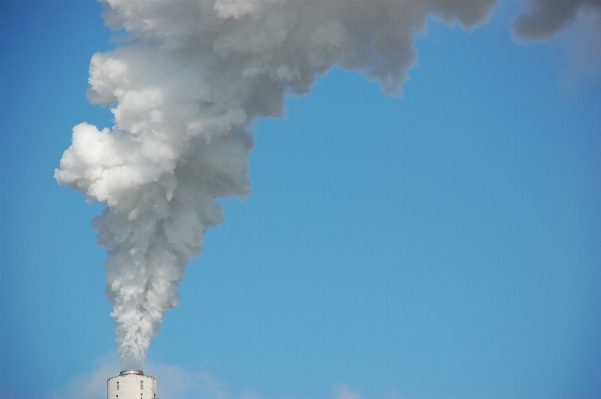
(546, 17)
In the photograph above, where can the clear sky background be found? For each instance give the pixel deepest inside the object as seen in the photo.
(444, 244)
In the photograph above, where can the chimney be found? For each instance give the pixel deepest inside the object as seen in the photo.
(132, 384)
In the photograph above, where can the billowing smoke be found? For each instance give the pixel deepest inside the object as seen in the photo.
(184, 88)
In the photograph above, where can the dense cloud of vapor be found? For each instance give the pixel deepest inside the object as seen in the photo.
(546, 17)
(183, 91)
(184, 88)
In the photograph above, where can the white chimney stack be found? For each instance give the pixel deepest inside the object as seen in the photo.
(132, 384)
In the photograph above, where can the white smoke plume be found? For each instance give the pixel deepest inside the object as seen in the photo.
(184, 89)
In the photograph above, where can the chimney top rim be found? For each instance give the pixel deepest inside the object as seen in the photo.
(129, 372)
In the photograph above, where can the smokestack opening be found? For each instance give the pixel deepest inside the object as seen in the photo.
(128, 372)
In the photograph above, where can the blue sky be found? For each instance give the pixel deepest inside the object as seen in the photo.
(444, 244)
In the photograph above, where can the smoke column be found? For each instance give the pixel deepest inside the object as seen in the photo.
(184, 88)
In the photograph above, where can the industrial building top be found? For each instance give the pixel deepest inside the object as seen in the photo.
(128, 372)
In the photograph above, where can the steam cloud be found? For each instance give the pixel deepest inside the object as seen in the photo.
(184, 89)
